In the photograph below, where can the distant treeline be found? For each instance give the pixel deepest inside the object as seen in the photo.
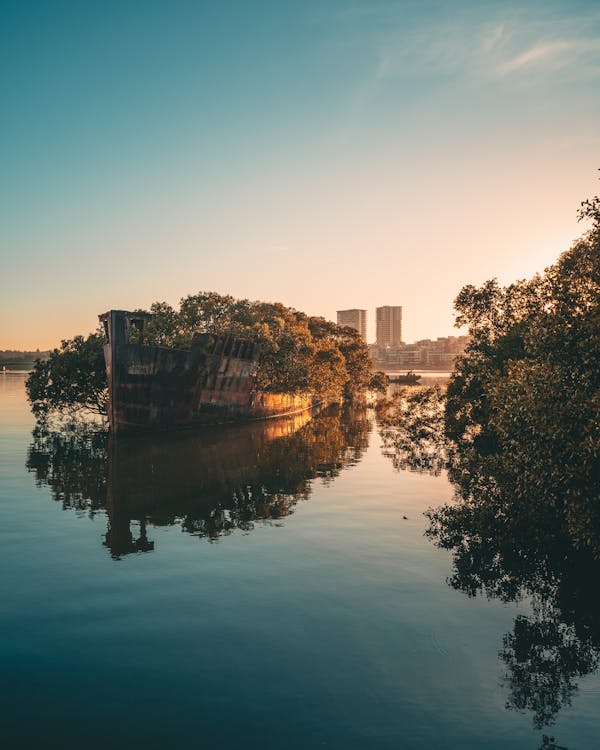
(15, 355)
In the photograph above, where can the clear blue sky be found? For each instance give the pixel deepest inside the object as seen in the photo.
(324, 154)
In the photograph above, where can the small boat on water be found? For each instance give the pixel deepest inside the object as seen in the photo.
(411, 378)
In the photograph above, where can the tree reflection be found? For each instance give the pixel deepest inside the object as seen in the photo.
(515, 535)
(543, 656)
(509, 546)
(73, 462)
(208, 482)
(411, 428)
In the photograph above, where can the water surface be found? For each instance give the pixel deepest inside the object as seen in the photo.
(259, 587)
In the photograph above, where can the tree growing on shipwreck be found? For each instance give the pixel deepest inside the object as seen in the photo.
(298, 354)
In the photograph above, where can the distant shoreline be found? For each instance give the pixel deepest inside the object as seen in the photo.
(24, 367)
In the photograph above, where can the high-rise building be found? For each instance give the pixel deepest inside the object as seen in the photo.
(389, 326)
(356, 319)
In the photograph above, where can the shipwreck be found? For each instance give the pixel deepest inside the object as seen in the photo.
(158, 387)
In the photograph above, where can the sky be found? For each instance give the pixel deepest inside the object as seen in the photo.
(327, 155)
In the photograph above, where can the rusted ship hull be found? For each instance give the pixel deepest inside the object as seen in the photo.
(152, 387)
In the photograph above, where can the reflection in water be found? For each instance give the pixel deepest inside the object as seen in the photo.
(512, 541)
(412, 430)
(210, 482)
(511, 550)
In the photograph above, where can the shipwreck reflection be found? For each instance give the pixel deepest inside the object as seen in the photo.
(209, 482)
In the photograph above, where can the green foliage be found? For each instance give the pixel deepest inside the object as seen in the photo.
(298, 354)
(358, 365)
(530, 377)
(71, 380)
(164, 328)
(286, 346)
(379, 382)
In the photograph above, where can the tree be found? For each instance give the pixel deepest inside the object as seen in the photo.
(521, 443)
(530, 376)
(379, 382)
(71, 380)
(298, 354)
(522, 412)
(359, 368)
(164, 327)
(328, 371)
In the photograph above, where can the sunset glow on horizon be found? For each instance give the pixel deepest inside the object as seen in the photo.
(325, 155)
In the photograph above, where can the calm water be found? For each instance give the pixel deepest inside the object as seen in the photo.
(263, 587)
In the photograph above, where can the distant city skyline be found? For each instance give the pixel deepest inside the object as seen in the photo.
(323, 155)
(439, 352)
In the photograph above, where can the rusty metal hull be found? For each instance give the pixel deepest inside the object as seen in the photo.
(152, 387)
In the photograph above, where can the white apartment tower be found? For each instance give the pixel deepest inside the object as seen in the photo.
(356, 319)
(389, 326)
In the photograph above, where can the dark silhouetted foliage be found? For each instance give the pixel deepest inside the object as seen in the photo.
(519, 433)
(531, 377)
(72, 379)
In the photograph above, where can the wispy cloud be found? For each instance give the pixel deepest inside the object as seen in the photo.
(491, 37)
(512, 43)
(398, 53)
(555, 54)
